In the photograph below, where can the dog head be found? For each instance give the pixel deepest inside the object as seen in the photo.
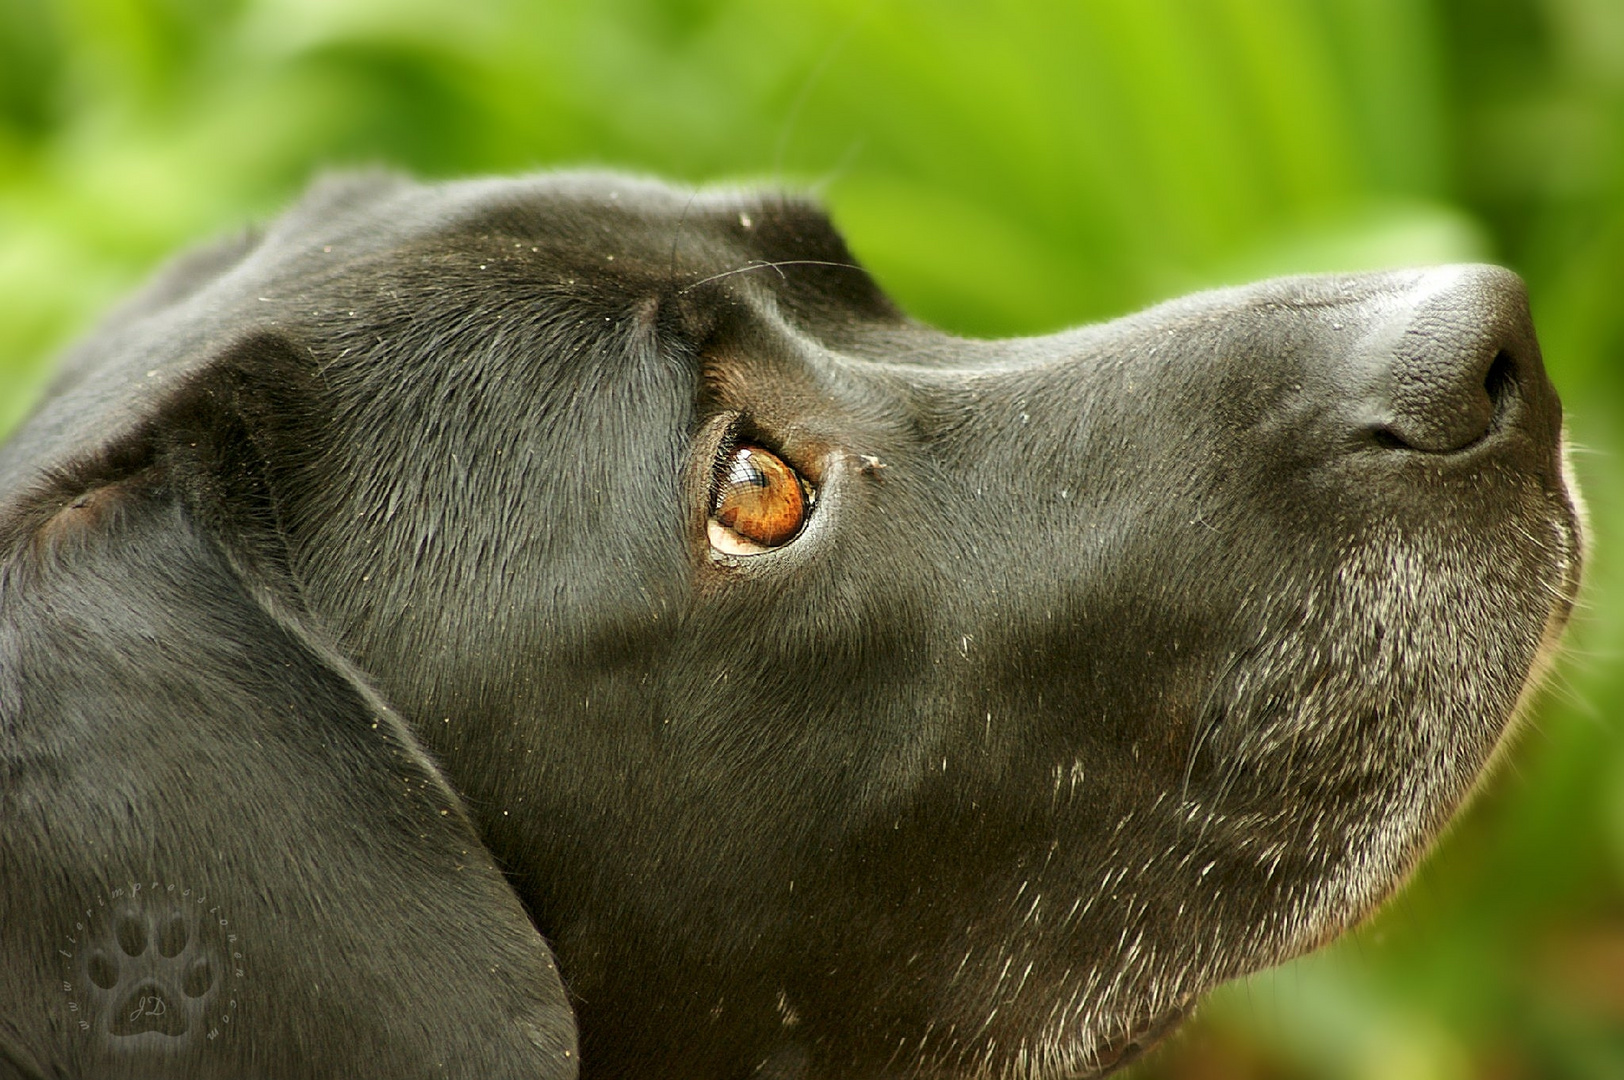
(843, 697)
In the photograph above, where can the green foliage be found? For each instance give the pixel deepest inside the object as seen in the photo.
(1005, 167)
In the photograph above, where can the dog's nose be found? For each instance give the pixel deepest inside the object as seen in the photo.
(1453, 356)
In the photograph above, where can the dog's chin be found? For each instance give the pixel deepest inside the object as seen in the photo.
(1088, 1055)
(1131, 1045)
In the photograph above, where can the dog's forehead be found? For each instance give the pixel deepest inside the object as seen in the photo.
(604, 236)
(597, 217)
(365, 235)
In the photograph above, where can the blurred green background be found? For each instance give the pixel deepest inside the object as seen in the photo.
(1003, 168)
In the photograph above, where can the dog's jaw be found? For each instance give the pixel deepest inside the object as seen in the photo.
(1385, 846)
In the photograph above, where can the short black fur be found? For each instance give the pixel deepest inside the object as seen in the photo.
(356, 579)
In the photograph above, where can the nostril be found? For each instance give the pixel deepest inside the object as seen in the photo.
(1473, 420)
(1501, 381)
(1453, 419)
(1451, 362)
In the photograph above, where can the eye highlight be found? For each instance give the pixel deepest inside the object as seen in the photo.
(759, 502)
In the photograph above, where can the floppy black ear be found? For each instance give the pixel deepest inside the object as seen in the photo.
(221, 855)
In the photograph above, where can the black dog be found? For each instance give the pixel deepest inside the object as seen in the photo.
(456, 578)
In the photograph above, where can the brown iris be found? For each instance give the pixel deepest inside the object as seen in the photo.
(759, 497)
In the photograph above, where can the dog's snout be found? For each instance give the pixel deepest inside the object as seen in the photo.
(1455, 359)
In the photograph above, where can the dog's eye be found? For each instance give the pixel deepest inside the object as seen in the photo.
(760, 502)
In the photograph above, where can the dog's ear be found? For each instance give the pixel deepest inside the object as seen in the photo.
(221, 854)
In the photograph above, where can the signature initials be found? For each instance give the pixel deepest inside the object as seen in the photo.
(149, 1005)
